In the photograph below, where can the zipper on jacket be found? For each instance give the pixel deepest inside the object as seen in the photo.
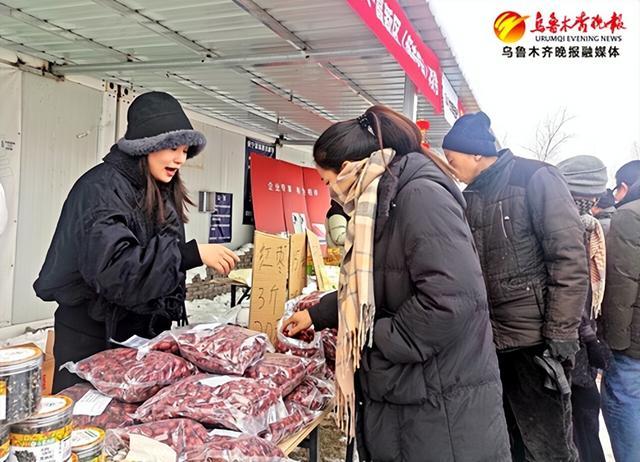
(502, 220)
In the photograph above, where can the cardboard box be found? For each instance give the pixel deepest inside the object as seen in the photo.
(48, 362)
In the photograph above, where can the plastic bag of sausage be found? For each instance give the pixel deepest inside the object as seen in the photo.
(306, 344)
(224, 445)
(221, 348)
(93, 409)
(179, 434)
(313, 393)
(281, 372)
(296, 419)
(234, 403)
(119, 373)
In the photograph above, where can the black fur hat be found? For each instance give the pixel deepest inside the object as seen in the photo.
(156, 121)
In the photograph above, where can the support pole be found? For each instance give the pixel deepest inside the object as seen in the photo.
(410, 102)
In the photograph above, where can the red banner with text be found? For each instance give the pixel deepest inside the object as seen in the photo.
(388, 22)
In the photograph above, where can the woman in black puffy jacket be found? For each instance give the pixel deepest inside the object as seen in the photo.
(116, 265)
(411, 312)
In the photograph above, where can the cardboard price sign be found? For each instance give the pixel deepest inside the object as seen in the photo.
(297, 264)
(269, 286)
(318, 261)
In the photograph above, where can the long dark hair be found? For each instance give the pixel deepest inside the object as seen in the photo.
(153, 204)
(351, 139)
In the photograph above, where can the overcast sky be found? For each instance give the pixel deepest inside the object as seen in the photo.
(603, 95)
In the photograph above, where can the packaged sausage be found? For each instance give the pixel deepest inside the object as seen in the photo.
(281, 372)
(234, 403)
(230, 446)
(313, 393)
(179, 434)
(93, 409)
(221, 348)
(118, 373)
(296, 419)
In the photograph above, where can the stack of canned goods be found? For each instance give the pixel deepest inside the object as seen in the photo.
(34, 428)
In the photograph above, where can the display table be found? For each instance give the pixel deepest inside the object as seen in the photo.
(307, 437)
(235, 285)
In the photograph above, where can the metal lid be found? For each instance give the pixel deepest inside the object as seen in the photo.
(84, 438)
(52, 406)
(15, 359)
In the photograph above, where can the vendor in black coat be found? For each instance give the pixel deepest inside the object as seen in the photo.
(429, 381)
(116, 265)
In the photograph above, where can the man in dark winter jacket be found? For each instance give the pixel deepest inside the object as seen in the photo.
(530, 241)
(621, 315)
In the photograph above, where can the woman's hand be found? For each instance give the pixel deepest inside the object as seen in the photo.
(218, 257)
(300, 321)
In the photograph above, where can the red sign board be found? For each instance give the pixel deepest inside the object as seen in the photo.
(318, 201)
(392, 27)
(287, 197)
(267, 199)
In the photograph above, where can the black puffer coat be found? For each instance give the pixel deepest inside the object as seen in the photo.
(430, 385)
(531, 245)
(114, 272)
(621, 305)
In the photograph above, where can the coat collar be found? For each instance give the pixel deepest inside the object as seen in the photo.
(487, 177)
(402, 171)
(127, 165)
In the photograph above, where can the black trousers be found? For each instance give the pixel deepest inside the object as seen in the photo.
(72, 345)
(586, 422)
(539, 420)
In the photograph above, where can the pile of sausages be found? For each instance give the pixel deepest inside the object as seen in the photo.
(235, 403)
(120, 374)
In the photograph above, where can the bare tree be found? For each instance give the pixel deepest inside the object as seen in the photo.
(550, 136)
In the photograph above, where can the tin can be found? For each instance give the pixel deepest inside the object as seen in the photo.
(45, 436)
(20, 383)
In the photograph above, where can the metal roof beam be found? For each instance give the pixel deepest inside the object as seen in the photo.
(58, 31)
(272, 23)
(155, 26)
(262, 15)
(207, 62)
(238, 104)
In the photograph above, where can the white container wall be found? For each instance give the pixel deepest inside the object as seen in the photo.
(59, 139)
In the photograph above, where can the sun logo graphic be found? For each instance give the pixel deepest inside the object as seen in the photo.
(509, 26)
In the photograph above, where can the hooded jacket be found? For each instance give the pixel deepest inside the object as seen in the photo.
(430, 385)
(113, 271)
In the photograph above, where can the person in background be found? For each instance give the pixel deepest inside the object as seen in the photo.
(604, 209)
(587, 180)
(621, 318)
(116, 265)
(336, 226)
(412, 317)
(531, 245)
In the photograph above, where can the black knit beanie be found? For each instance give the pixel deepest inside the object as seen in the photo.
(156, 121)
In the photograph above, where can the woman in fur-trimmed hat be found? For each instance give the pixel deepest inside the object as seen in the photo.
(116, 265)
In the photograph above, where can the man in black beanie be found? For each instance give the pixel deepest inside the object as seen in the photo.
(530, 241)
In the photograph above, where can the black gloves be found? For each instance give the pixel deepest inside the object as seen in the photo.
(563, 350)
(598, 353)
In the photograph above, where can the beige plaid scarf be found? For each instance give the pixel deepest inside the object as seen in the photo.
(356, 189)
(597, 262)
